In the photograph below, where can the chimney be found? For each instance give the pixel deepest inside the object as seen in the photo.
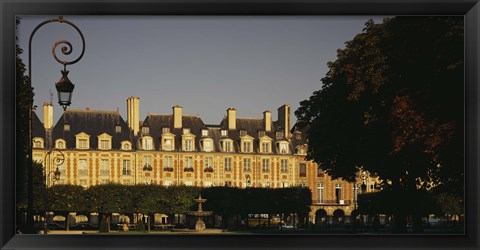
(232, 118)
(48, 115)
(133, 115)
(284, 119)
(267, 120)
(177, 116)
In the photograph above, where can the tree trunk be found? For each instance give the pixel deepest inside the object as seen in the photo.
(67, 222)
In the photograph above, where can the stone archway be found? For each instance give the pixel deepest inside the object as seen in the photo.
(320, 216)
(338, 216)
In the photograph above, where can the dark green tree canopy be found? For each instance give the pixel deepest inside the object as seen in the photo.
(392, 103)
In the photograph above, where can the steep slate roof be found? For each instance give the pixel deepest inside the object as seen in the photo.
(38, 130)
(93, 123)
(252, 126)
(302, 136)
(157, 122)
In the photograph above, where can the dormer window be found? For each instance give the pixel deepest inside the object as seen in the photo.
(186, 131)
(104, 141)
(265, 147)
(37, 142)
(118, 129)
(66, 127)
(227, 146)
(126, 145)
(60, 144)
(224, 132)
(302, 150)
(188, 145)
(283, 148)
(204, 132)
(165, 130)
(145, 130)
(207, 145)
(83, 141)
(167, 144)
(246, 146)
(147, 143)
(243, 132)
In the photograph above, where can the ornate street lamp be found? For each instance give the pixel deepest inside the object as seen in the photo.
(58, 161)
(64, 88)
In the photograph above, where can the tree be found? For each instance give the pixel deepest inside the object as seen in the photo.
(64, 199)
(392, 104)
(24, 102)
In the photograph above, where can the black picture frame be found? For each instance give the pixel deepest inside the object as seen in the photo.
(10, 8)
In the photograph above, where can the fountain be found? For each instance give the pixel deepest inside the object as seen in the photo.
(200, 225)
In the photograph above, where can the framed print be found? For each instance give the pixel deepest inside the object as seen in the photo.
(248, 124)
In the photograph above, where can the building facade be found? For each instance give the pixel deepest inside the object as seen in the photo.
(178, 149)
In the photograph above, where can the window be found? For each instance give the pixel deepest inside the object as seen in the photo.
(207, 145)
(126, 167)
(247, 164)
(104, 167)
(243, 132)
(228, 183)
(320, 172)
(165, 130)
(63, 172)
(204, 132)
(247, 146)
(118, 129)
(338, 193)
(37, 142)
(320, 193)
(265, 147)
(283, 148)
(147, 143)
(301, 151)
(168, 163)
(227, 146)
(145, 130)
(265, 165)
(186, 131)
(66, 127)
(82, 167)
(284, 165)
(126, 146)
(224, 132)
(284, 184)
(266, 184)
(147, 162)
(228, 164)
(261, 134)
(82, 144)
(167, 144)
(302, 170)
(355, 192)
(188, 164)
(104, 144)
(208, 166)
(188, 145)
(60, 144)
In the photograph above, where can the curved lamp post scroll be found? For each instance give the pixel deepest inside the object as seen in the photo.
(64, 86)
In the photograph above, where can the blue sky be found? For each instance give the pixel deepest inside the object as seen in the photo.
(204, 63)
